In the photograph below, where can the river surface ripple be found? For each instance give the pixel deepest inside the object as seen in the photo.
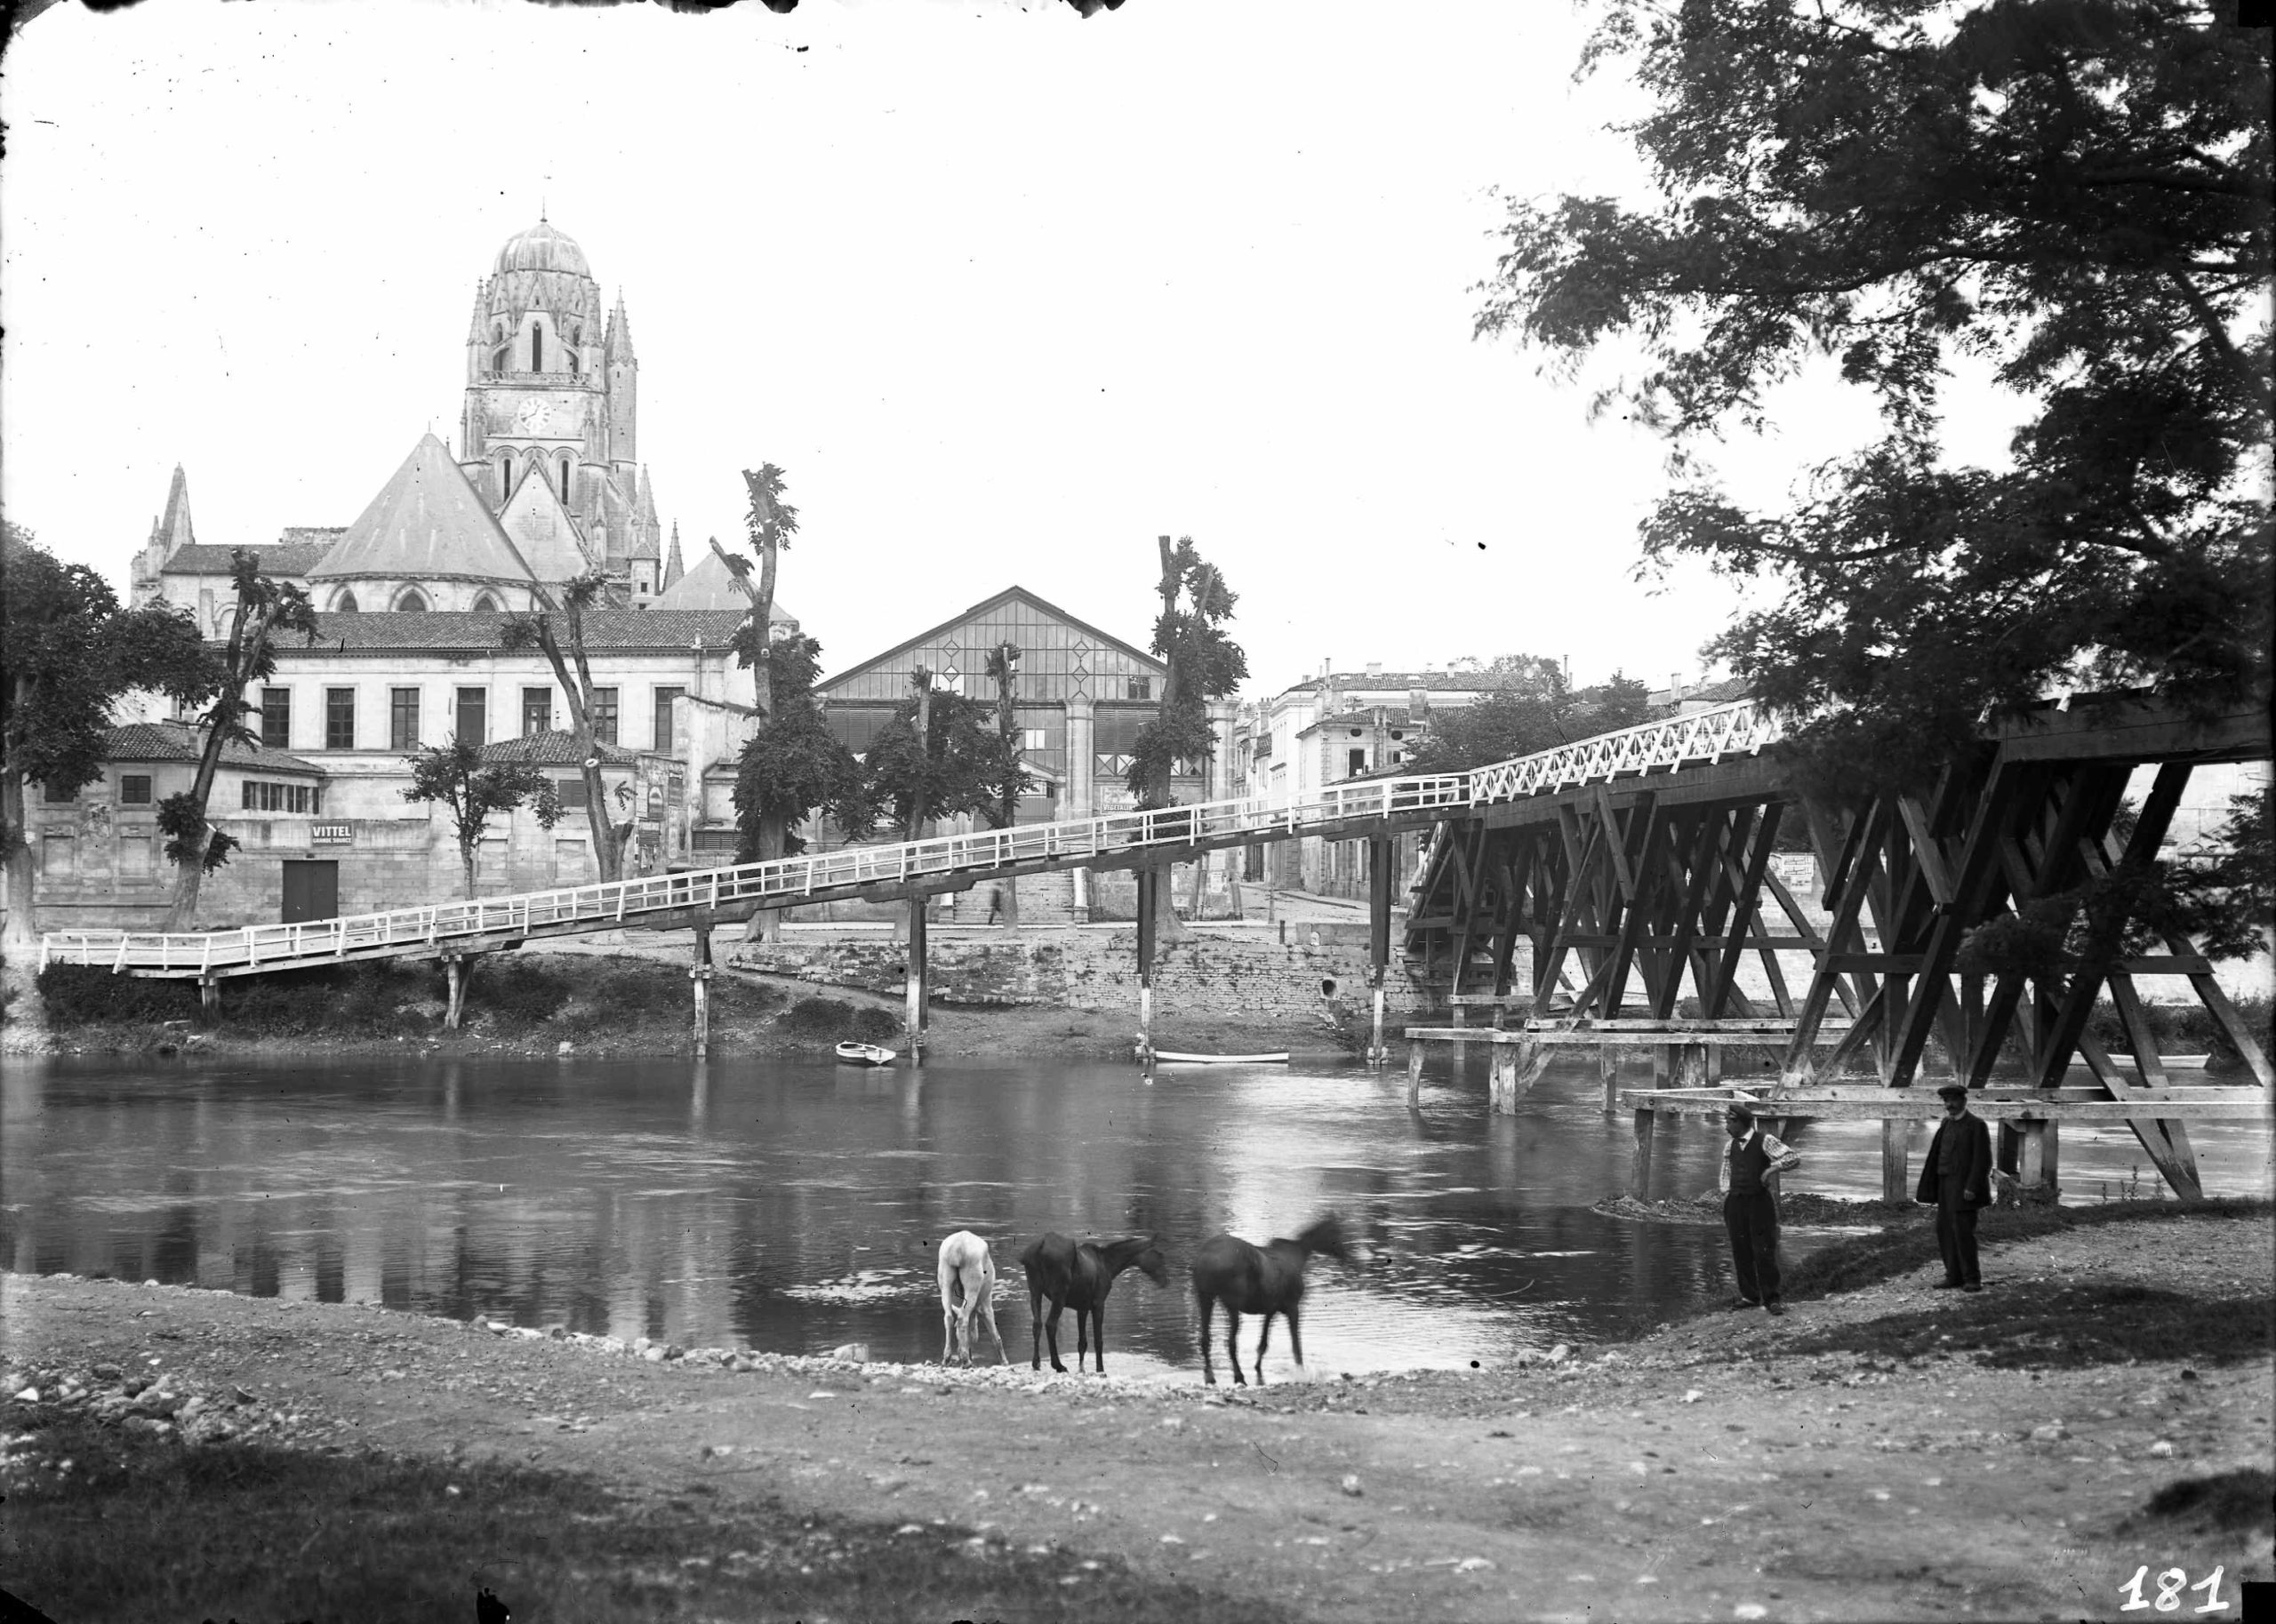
(796, 1206)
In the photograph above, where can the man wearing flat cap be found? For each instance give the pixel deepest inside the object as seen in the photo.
(1749, 1210)
(1957, 1177)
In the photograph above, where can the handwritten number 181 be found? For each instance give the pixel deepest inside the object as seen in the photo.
(2171, 1583)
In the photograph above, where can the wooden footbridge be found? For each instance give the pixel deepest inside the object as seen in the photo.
(1628, 867)
(1637, 890)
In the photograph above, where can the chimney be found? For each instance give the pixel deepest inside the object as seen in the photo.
(1374, 668)
(1675, 685)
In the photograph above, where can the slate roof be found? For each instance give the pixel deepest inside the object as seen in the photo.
(555, 747)
(140, 742)
(476, 631)
(1008, 594)
(278, 558)
(426, 524)
(709, 585)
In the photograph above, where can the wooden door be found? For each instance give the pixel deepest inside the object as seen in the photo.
(311, 891)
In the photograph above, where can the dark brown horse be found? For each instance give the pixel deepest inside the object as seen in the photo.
(1266, 1280)
(1079, 1278)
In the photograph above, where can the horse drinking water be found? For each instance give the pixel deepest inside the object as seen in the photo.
(1079, 1278)
(1266, 1280)
(968, 1288)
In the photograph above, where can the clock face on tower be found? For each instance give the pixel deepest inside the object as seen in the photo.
(534, 416)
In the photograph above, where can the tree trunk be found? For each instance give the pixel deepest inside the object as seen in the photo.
(578, 693)
(466, 857)
(23, 877)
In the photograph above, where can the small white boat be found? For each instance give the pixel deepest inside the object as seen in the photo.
(1280, 1058)
(866, 1055)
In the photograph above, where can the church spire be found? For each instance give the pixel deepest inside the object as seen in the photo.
(620, 331)
(174, 531)
(673, 568)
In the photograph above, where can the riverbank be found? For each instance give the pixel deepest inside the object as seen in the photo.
(1884, 1452)
(603, 1002)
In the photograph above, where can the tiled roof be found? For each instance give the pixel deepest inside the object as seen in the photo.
(555, 747)
(476, 631)
(1400, 682)
(1362, 718)
(323, 535)
(278, 558)
(426, 524)
(140, 741)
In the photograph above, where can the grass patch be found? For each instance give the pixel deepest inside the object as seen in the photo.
(2224, 1503)
(627, 995)
(836, 1020)
(2042, 1326)
(141, 1529)
(1854, 1261)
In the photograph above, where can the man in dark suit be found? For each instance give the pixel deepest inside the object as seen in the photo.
(1749, 1208)
(1958, 1179)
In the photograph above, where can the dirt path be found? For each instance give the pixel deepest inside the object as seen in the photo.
(1708, 1471)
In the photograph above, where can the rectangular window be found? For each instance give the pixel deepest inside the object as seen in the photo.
(571, 791)
(604, 714)
(537, 710)
(1032, 739)
(340, 718)
(137, 853)
(262, 796)
(474, 715)
(55, 795)
(1358, 763)
(403, 718)
(59, 854)
(665, 699)
(276, 719)
(1141, 688)
(134, 790)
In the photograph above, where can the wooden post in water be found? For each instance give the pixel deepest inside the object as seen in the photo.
(1608, 1070)
(2037, 1174)
(454, 973)
(1893, 1135)
(1639, 1176)
(1511, 1062)
(1691, 1065)
(1379, 881)
(1414, 1072)
(699, 973)
(1148, 909)
(209, 996)
(918, 988)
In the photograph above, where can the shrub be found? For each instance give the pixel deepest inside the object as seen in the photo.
(85, 994)
(519, 991)
(872, 1025)
(834, 1018)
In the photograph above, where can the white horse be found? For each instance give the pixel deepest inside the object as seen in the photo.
(968, 1288)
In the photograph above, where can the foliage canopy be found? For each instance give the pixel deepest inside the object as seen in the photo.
(2075, 193)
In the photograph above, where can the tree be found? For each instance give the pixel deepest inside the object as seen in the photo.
(1009, 773)
(560, 630)
(72, 651)
(1203, 664)
(1530, 707)
(770, 523)
(472, 789)
(793, 765)
(2075, 192)
(266, 609)
(935, 757)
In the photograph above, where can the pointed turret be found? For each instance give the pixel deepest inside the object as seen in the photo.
(620, 331)
(174, 531)
(623, 390)
(673, 568)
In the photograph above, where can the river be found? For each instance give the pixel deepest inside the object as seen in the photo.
(797, 1206)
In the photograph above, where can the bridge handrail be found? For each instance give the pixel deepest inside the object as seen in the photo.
(784, 880)
(1740, 728)
(1743, 727)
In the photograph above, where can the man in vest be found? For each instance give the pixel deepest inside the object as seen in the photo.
(1749, 1210)
(1957, 1176)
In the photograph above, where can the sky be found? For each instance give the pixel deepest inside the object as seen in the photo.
(1005, 292)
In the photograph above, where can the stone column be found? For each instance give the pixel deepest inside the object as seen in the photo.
(1078, 801)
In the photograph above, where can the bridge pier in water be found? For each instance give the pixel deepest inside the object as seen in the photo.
(699, 973)
(917, 987)
(1149, 914)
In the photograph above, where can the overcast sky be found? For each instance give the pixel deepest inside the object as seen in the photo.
(1005, 292)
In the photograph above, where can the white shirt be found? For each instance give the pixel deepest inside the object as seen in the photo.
(1782, 1157)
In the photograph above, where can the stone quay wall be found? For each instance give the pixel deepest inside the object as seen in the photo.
(1319, 972)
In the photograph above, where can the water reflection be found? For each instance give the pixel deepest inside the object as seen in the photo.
(797, 1206)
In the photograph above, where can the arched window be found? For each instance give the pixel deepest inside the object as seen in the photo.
(497, 361)
(505, 478)
(537, 346)
(485, 605)
(411, 600)
(345, 604)
(564, 480)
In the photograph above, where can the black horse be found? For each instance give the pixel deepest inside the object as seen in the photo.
(1266, 1280)
(1079, 1278)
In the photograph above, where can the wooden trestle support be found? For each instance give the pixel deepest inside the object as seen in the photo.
(1630, 895)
